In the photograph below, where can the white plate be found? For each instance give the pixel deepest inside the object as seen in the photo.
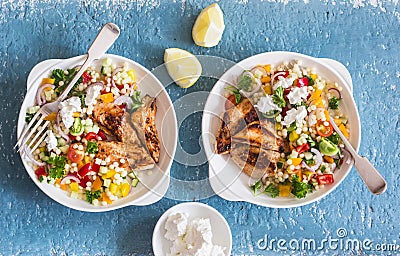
(226, 178)
(152, 187)
(221, 231)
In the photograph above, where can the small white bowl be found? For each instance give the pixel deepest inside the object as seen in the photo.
(221, 231)
(226, 178)
(152, 187)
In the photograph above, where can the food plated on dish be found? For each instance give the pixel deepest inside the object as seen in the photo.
(273, 137)
(192, 229)
(104, 147)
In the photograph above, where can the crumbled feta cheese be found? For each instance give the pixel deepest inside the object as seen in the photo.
(285, 82)
(296, 95)
(67, 108)
(92, 93)
(51, 141)
(295, 115)
(265, 104)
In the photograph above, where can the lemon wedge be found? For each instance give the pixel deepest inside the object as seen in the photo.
(209, 26)
(182, 66)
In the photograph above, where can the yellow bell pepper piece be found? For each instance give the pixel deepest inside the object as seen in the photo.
(74, 186)
(265, 79)
(318, 103)
(267, 89)
(316, 94)
(314, 76)
(76, 114)
(278, 126)
(293, 136)
(284, 190)
(80, 164)
(337, 121)
(113, 188)
(48, 80)
(296, 161)
(51, 117)
(343, 129)
(132, 75)
(125, 188)
(267, 68)
(109, 174)
(86, 159)
(107, 97)
(105, 198)
(309, 174)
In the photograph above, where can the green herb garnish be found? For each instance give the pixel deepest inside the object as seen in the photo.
(334, 137)
(90, 196)
(334, 103)
(256, 187)
(244, 83)
(92, 147)
(310, 81)
(137, 101)
(235, 91)
(310, 141)
(277, 97)
(56, 171)
(299, 188)
(272, 190)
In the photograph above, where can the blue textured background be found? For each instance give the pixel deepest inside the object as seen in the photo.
(364, 35)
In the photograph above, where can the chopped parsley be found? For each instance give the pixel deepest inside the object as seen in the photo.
(334, 137)
(310, 141)
(272, 190)
(299, 188)
(310, 81)
(92, 147)
(56, 171)
(277, 97)
(90, 196)
(256, 187)
(137, 101)
(28, 117)
(59, 75)
(309, 161)
(244, 83)
(235, 91)
(334, 103)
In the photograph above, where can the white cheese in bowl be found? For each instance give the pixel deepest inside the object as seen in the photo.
(192, 238)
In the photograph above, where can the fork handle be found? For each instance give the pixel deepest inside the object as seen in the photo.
(104, 39)
(370, 175)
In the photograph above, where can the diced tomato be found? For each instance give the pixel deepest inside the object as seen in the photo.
(230, 102)
(325, 179)
(322, 129)
(122, 106)
(302, 82)
(281, 73)
(85, 170)
(102, 135)
(71, 137)
(86, 77)
(41, 171)
(92, 136)
(74, 154)
(119, 86)
(302, 148)
(95, 168)
(84, 180)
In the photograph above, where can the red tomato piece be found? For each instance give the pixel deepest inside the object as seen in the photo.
(302, 82)
(71, 137)
(325, 179)
(92, 136)
(95, 168)
(86, 77)
(302, 148)
(102, 135)
(84, 180)
(41, 171)
(281, 73)
(85, 170)
(74, 154)
(323, 130)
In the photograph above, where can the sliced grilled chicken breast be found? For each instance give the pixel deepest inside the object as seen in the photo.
(144, 122)
(234, 120)
(110, 116)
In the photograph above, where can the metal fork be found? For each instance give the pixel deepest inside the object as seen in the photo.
(104, 39)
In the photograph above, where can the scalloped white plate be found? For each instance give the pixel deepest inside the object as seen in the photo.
(226, 178)
(152, 187)
(221, 231)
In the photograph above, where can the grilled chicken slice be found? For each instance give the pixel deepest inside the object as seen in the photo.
(144, 122)
(234, 120)
(110, 116)
(260, 134)
(254, 161)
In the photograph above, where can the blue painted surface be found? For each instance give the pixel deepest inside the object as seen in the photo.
(364, 35)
